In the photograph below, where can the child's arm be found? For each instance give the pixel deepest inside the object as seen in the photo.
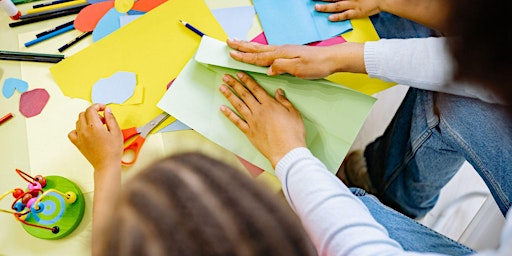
(431, 13)
(100, 140)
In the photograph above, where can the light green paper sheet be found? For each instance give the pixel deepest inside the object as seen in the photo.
(332, 114)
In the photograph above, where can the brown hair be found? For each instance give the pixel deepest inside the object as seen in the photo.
(191, 204)
(482, 43)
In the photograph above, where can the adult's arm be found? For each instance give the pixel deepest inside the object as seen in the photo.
(337, 221)
(424, 63)
(430, 13)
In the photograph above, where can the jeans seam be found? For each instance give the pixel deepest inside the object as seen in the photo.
(483, 170)
(431, 121)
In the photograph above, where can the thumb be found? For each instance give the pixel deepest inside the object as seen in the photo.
(281, 98)
(281, 66)
(110, 121)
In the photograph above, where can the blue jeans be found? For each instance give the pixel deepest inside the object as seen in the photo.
(428, 140)
(413, 236)
(391, 26)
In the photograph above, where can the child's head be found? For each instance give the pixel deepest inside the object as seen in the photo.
(483, 46)
(190, 204)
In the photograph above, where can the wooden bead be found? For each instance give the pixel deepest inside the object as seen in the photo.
(41, 179)
(25, 198)
(35, 186)
(31, 202)
(17, 192)
(70, 197)
(18, 206)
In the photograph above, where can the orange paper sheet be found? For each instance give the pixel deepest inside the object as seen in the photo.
(155, 47)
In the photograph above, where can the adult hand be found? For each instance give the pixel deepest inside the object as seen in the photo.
(272, 125)
(349, 9)
(306, 62)
(98, 138)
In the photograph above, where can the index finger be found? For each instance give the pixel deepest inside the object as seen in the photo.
(92, 116)
(251, 47)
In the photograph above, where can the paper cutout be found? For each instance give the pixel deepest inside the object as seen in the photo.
(158, 32)
(107, 24)
(261, 39)
(137, 97)
(88, 17)
(123, 6)
(13, 84)
(236, 21)
(147, 5)
(332, 114)
(123, 20)
(114, 89)
(32, 102)
(296, 22)
(175, 126)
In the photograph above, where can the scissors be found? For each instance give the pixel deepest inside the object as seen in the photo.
(138, 135)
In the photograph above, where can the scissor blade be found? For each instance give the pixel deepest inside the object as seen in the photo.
(147, 128)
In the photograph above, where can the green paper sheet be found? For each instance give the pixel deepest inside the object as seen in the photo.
(332, 114)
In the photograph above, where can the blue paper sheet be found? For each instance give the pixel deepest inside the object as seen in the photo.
(236, 21)
(296, 22)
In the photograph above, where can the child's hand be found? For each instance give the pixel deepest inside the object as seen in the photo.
(98, 137)
(349, 9)
(273, 125)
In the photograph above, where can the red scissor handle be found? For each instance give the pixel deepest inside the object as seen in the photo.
(129, 133)
(134, 148)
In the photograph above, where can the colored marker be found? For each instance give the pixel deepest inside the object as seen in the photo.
(50, 3)
(31, 56)
(5, 118)
(48, 36)
(74, 41)
(195, 30)
(56, 6)
(10, 9)
(55, 28)
(48, 16)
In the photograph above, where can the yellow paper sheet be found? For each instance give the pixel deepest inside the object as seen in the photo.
(155, 47)
(362, 31)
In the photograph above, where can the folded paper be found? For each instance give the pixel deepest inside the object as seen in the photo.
(332, 114)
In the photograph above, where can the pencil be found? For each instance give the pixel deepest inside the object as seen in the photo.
(5, 118)
(66, 12)
(74, 41)
(55, 28)
(30, 56)
(48, 36)
(195, 30)
(50, 3)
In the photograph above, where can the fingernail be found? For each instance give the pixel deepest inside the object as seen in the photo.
(233, 52)
(317, 6)
(280, 91)
(225, 78)
(222, 108)
(240, 74)
(108, 110)
(270, 71)
(222, 88)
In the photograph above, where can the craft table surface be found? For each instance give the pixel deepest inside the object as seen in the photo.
(16, 150)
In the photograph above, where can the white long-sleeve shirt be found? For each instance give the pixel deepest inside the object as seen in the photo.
(424, 63)
(336, 220)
